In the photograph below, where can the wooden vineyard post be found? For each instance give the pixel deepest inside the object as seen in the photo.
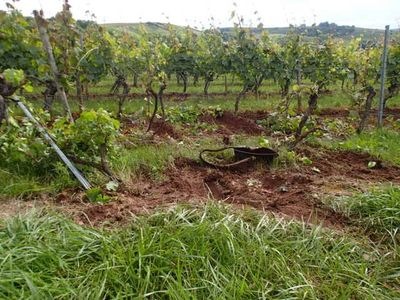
(78, 79)
(383, 77)
(41, 25)
(298, 82)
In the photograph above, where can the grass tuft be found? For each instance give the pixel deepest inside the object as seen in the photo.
(381, 143)
(205, 253)
(377, 210)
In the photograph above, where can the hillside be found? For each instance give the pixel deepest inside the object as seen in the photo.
(154, 28)
(321, 30)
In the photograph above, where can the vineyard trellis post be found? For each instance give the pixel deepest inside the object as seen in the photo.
(41, 24)
(383, 77)
(298, 82)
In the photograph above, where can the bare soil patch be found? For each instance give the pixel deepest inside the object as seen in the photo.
(159, 128)
(345, 112)
(254, 115)
(334, 112)
(293, 193)
(163, 128)
(230, 123)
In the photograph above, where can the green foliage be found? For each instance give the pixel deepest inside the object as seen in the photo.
(249, 58)
(189, 253)
(96, 195)
(92, 135)
(306, 161)
(393, 67)
(20, 47)
(264, 142)
(112, 186)
(338, 128)
(93, 128)
(126, 56)
(321, 31)
(286, 61)
(94, 56)
(21, 146)
(363, 63)
(154, 56)
(378, 210)
(187, 114)
(212, 55)
(181, 60)
(289, 158)
(64, 39)
(393, 123)
(215, 111)
(190, 114)
(320, 64)
(383, 144)
(280, 123)
(86, 138)
(14, 77)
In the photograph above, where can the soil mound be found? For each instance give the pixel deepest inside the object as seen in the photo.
(232, 123)
(163, 128)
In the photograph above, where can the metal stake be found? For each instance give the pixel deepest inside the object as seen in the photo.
(84, 182)
(383, 77)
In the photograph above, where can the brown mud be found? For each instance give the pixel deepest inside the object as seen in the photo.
(229, 123)
(345, 112)
(293, 193)
(163, 128)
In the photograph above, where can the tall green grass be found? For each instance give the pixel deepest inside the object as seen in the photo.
(22, 180)
(13, 185)
(145, 160)
(377, 210)
(381, 143)
(187, 253)
(152, 160)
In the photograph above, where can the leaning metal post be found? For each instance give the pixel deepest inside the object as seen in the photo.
(84, 182)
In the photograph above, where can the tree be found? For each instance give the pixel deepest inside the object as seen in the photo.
(47, 47)
(93, 57)
(155, 56)
(321, 68)
(181, 61)
(286, 61)
(365, 63)
(20, 46)
(211, 57)
(248, 60)
(393, 69)
(125, 61)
